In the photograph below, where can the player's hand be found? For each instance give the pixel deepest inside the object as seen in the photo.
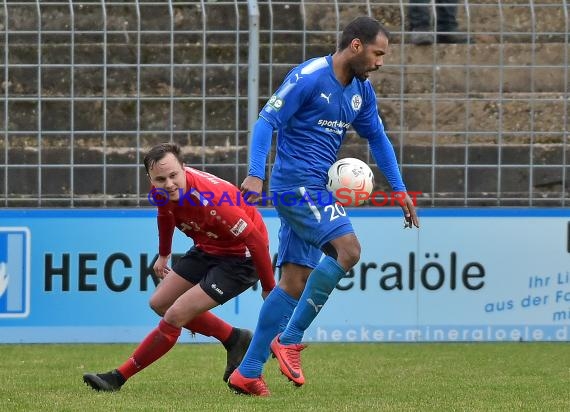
(410, 215)
(265, 293)
(251, 188)
(160, 267)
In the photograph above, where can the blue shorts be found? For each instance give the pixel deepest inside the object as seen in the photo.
(309, 219)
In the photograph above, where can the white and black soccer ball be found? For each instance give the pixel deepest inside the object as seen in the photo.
(351, 181)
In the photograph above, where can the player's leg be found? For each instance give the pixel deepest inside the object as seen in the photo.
(328, 226)
(273, 316)
(292, 369)
(189, 305)
(190, 309)
(168, 290)
(321, 284)
(280, 303)
(193, 266)
(172, 286)
(232, 276)
(275, 312)
(159, 341)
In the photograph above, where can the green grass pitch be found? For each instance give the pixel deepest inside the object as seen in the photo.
(340, 377)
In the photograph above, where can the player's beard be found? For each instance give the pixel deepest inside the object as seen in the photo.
(360, 71)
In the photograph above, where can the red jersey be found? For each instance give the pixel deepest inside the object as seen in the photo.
(213, 213)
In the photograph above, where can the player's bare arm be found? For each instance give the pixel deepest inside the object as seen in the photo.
(410, 214)
(251, 188)
(160, 267)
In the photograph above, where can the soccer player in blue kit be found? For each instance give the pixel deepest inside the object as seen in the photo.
(311, 111)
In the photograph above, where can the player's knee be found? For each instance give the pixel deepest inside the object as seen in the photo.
(293, 279)
(157, 306)
(329, 250)
(349, 255)
(176, 316)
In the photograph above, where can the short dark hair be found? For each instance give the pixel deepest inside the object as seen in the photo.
(364, 28)
(159, 151)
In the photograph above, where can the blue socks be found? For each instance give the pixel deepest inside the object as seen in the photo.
(273, 317)
(277, 309)
(320, 285)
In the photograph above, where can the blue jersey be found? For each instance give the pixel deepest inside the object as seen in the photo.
(312, 111)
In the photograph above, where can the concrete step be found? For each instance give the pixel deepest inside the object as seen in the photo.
(486, 18)
(451, 154)
(450, 173)
(478, 118)
(478, 68)
(413, 118)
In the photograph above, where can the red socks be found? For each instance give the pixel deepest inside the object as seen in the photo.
(154, 346)
(208, 324)
(163, 338)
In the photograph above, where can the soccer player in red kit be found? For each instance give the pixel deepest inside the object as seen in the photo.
(230, 254)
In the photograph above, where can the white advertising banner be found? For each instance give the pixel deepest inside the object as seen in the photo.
(468, 274)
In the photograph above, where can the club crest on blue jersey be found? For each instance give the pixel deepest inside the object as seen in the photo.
(356, 102)
(14, 272)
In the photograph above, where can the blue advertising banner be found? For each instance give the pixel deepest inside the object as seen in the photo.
(466, 275)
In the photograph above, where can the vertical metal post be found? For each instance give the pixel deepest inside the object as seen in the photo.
(39, 122)
(138, 91)
(434, 100)
(253, 72)
(104, 14)
(237, 108)
(72, 105)
(171, 93)
(565, 97)
(467, 106)
(532, 100)
(204, 83)
(304, 18)
(501, 96)
(6, 101)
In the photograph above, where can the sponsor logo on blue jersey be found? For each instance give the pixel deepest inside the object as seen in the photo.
(275, 102)
(14, 272)
(334, 126)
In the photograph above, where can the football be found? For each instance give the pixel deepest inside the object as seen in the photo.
(351, 181)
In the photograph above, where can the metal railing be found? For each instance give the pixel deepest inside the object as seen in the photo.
(89, 86)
